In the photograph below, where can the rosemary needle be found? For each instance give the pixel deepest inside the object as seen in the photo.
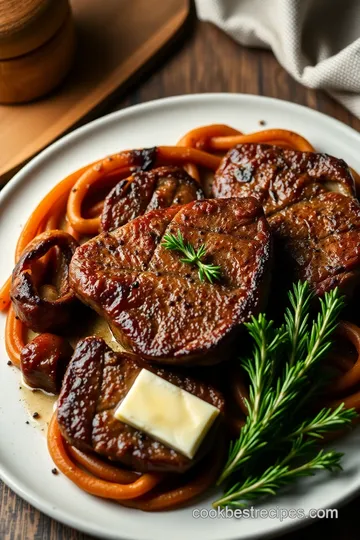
(174, 242)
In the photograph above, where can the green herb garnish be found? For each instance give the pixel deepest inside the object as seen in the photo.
(280, 370)
(177, 243)
(277, 476)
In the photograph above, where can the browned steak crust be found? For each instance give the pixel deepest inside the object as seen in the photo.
(145, 191)
(155, 304)
(96, 381)
(309, 201)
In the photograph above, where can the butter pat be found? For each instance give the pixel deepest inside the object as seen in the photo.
(167, 413)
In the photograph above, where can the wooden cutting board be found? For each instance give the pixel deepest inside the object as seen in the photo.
(115, 38)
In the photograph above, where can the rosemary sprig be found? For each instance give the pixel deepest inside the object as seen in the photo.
(173, 242)
(326, 420)
(278, 398)
(272, 397)
(279, 475)
(304, 439)
(260, 366)
(297, 320)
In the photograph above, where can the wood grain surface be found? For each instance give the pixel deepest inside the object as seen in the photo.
(26, 25)
(114, 39)
(209, 61)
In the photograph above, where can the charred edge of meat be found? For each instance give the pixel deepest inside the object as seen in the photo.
(144, 159)
(241, 164)
(43, 362)
(86, 411)
(40, 314)
(77, 402)
(144, 191)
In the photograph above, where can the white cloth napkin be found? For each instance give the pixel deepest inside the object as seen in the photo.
(316, 41)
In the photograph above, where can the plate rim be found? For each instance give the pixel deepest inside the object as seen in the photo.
(32, 498)
(98, 122)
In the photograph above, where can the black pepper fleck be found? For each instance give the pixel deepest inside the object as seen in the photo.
(154, 236)
(54, 470)
(9, 363)
(135, 285)
(27, 422)
(36, 415)
(262, 122)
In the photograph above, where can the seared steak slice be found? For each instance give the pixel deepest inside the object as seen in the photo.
(96, 381)
(145, 191)
(309, 201)
(155, 304)
(277, 177)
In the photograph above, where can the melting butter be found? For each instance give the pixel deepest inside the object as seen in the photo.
(167, 413)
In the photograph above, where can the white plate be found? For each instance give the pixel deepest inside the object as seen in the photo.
(25, 463)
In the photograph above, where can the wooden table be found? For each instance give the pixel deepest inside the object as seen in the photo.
(208, 61)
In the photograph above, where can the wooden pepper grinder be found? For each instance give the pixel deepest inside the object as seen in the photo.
(36, 47)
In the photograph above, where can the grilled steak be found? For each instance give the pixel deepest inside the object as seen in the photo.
(86, 411)
(155, 304)
(145, 191)
(309, 202)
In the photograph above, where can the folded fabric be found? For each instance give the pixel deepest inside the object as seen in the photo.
(316, 41)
